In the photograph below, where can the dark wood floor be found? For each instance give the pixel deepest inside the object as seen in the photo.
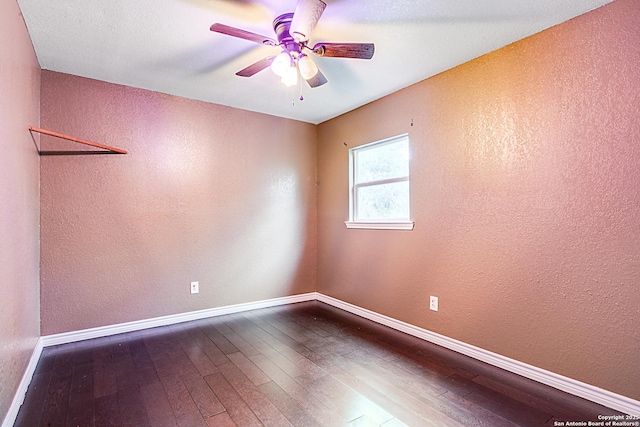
(305, 364)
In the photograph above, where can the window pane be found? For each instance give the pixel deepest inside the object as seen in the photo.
(383, 162)
(383, 202)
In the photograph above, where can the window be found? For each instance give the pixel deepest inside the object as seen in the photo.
(379, 185)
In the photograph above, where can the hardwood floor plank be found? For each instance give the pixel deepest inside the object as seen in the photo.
(336, 399)
(196, 333)
(199, 358)
(313, 324)
(157, 404)
(344, 399)
(181, 362)
(463, 366)
(316, 409)
(145, 371)
(413, 411)
(379, 397)
(139, 354)
(298, 319)
(235, 332)
(504, 389)
(119, 346)
(309, 368)
(104, 374)
(447, 406)
(285, 364)
(131, 408)
(201, 393)
(81, 396)
(248, 368)
(31, 410)
(158, 341)
(241, 344)
(186, 411)
(297, 332)
(83, 353)
(466, 412)
(279, 336)
(218, 339)
(363, 421)
(500, 404)
(181, 335)
(287, 405)
(232, 401)
(56, 404)
(394, 423)
(267, 342)
(417, 364)
(215, 354)
(315, 358)
(378, 370)
(248, 331)
(219, 324)
(266, 412)
(106, 412)
(146, 375)
(126, 378)
(435, 397)
(253, 316)
(47, 360)
(221, 420)
(543, 397)
(329, 346)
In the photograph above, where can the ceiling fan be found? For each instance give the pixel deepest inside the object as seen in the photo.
(292, 33)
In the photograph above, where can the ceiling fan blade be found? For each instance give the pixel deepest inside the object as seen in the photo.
(345, 50)
(305, 18)
(256, 67)
(318, 80)
(242, 34)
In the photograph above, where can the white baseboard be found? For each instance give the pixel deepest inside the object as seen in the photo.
(105, 331)
(569, 385)
(18, 398)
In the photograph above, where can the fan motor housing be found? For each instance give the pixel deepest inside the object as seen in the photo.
(281, 26)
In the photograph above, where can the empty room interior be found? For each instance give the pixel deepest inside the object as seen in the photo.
(523, 202)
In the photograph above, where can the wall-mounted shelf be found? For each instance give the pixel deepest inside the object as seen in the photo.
(105, 149)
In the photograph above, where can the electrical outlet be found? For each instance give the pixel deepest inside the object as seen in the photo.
(433, 303)
(195, 287)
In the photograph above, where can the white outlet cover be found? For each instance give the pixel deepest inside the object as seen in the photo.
(195, 287)
(433, 303)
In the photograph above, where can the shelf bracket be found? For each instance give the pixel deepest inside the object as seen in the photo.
(109, 149)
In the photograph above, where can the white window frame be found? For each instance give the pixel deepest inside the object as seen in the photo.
(402, 224)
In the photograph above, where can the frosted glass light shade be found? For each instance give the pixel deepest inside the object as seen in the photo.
(307, 67)
(281, 64)
(290, 77)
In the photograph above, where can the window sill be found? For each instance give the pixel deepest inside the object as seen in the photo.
(390, 225)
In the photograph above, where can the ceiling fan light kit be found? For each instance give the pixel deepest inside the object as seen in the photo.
(282, 63)
(307, 67)
(290, 77)
(292, 33)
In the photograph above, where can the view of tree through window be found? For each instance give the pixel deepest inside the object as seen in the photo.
(380, 181)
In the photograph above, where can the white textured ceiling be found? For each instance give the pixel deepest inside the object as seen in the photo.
(166, 45)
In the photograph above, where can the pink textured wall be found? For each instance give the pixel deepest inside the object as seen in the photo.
(19, 202)
(207, 193)
(525, 186)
